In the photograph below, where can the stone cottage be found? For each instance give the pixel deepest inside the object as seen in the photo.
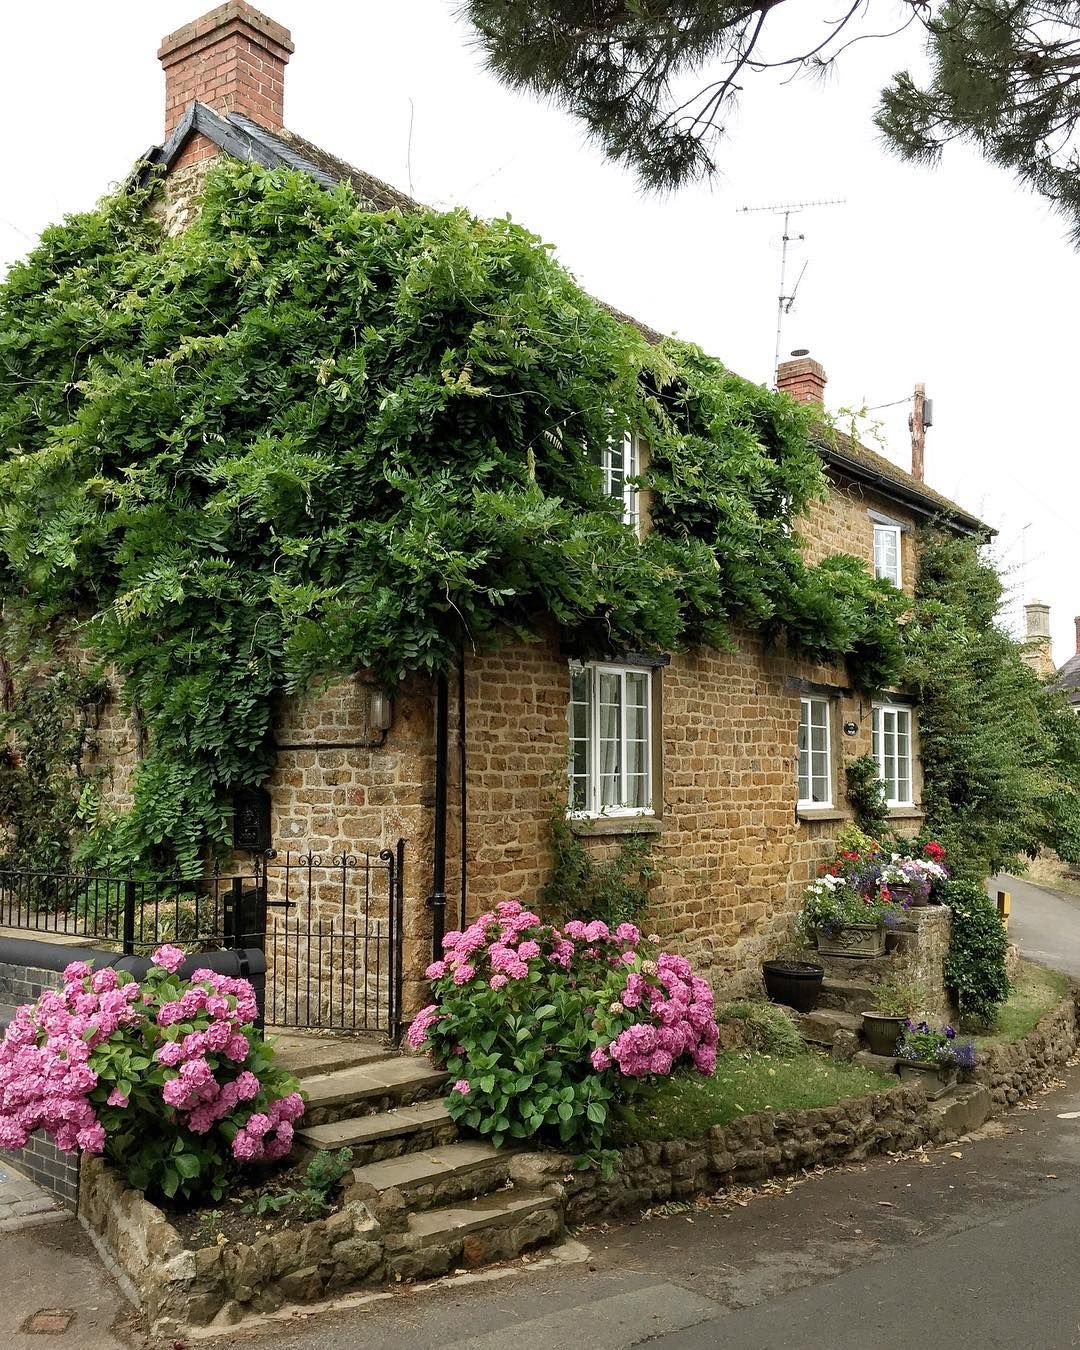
(732, 762)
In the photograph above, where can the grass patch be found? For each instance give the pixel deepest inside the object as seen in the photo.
(686, 1105)
(1036, 991)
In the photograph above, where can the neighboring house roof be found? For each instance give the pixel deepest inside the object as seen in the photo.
(1068, 677)
(245, 139)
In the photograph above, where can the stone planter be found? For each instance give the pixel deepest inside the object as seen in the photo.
(796, 984)
(882, 1031)
(859, 940)
(935, 1078)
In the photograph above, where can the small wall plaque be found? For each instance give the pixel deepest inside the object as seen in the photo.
(251, 819)
(851, 728)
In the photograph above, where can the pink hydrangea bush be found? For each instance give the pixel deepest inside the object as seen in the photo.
(544, 1029)
(168, 1078)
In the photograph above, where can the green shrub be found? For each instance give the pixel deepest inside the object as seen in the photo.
(975, 965)
(770, 1029)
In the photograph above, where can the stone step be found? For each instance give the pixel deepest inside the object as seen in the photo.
(370, 1088)
(878, 1063)
(853, 996)
(437, 1176)
(386, 1134)
(305, 1056)
(864, 969)
(821, 1025)
(474, 1233)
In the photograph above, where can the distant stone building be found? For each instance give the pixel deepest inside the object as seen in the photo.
(1038, 647)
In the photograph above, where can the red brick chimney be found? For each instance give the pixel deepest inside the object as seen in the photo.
(802, 378)
(1077, 622)
(233, 60)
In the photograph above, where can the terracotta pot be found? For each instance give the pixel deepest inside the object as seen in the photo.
(860, 940)
(882, 1031)
(935, 1078)
(796, 984)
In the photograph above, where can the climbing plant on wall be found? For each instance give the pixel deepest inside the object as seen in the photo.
(48, 780)
(304, 437)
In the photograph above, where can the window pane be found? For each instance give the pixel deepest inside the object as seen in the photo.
(610, 747)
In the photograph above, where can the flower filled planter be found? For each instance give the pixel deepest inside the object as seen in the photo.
(936, 1079)
(796, 984)
(546, 1029)
(862, 892)
(932, 1056)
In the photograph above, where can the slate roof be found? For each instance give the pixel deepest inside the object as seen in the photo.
(245, 139)
(1068, 677)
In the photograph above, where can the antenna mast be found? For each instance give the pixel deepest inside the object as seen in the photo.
(784, 302)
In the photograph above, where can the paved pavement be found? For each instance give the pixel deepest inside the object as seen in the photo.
(22, 1203)
(1045, 923)
(49, 1271)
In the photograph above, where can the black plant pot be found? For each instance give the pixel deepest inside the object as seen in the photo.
(796, 984)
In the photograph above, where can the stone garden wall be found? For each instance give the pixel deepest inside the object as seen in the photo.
(749, 1150)
(1012, 1072)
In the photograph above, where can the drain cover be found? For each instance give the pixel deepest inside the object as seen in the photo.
(49, 1322)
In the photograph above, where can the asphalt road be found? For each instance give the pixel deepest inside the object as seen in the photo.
(1045, 923)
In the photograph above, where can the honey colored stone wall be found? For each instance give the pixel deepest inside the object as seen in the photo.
(842, 524)
(734, 852)
(335, 790)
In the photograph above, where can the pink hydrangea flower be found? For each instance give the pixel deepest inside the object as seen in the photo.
(169, 958)
(462, 1087)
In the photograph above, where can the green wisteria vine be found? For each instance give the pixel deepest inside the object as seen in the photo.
(303, 438)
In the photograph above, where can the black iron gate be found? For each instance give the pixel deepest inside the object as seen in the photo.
(330, 928)
(331, 931)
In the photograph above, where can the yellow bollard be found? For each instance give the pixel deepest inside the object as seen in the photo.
(1004, 905)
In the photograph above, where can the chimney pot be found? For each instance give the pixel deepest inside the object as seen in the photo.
(233, 60)
(802, 378)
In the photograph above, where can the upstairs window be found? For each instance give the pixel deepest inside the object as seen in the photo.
(815, 757)
(619, 462)
(891, 731)
(610, 718)
(888, 554)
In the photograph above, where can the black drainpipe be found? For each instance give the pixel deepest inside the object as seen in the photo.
(464, 791)
(437, 899)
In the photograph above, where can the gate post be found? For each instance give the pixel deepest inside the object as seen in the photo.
(129, 917)
(234, 906)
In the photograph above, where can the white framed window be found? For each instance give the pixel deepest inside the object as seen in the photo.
(610, 717)
(620, 461)
(815, 753)
(889, 554)
(891, 733)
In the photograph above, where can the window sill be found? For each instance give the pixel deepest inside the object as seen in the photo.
(601, 825)
(906, 813)
(822, 813)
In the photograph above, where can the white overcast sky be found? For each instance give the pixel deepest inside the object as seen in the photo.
(954, 277)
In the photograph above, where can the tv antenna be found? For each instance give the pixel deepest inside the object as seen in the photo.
(784, 301)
